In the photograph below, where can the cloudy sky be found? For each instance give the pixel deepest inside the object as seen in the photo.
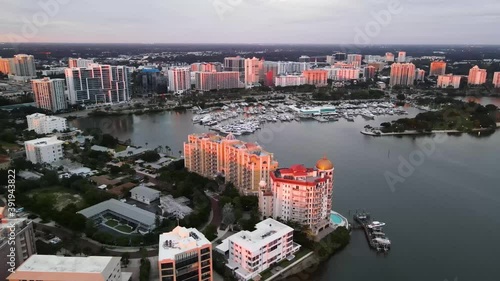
(252, 21)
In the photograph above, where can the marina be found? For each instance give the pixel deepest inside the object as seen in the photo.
(246, 118)
(374, 232)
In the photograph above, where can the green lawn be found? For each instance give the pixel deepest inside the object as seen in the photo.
(124, 228)
(62, 196)
(120, 148)
(111, 223)
(8, 145)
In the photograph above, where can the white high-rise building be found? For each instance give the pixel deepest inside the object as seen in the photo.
(44, 150)
(60, 268)
(185, 254)
(253, 71)
(98, 84)
(79, 62)
(402, 57)
(43, 124)
(343, 73)
(251, 252)
(477, 76)
(289, 80)
(389, 57)
(179, 79)
(291, 67)
(23, 65)
(496, 80)
(49, 94)
(402, 74)
(354, 59)
(419, 74)
(444, 81)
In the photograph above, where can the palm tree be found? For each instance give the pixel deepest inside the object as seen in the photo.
(167, 148)
(180, 153)
(159, 149)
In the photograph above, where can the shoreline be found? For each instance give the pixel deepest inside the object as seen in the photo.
(416, 133)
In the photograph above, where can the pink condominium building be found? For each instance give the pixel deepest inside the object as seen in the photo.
(300, 194)
(244, 164)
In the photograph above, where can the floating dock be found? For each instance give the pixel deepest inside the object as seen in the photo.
(375, 236)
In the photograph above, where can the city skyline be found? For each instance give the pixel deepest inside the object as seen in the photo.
(279, 22)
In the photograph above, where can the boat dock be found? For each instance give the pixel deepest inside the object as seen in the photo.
(375, 236)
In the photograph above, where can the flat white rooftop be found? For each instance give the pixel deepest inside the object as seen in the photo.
(180, 240)
(44, 141)
(48, 263)
(265, 232)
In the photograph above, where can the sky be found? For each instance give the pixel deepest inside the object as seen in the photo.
(252, 21)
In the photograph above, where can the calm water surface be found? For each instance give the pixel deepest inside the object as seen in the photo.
(443, 220)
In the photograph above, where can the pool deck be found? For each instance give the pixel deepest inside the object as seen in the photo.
(344, 223)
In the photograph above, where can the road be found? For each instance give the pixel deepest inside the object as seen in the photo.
(67, 235)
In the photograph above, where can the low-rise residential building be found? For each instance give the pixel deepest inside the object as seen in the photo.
(43, 124)
(251, 252)
(184, 254)
(44, 150)
(14, 251)
(137, 218)
(144, 194)
(60, 268)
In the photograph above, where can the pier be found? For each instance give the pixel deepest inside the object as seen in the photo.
(375, 237)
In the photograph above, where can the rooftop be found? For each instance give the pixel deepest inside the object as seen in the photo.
(265, 232)
(44, 141)
(124, 209)
(48, 263)
(180, 240)
(145, 190)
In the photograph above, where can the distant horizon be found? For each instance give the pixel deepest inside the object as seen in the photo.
(264, 44)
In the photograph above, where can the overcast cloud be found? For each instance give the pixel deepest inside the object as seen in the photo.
(252, 21)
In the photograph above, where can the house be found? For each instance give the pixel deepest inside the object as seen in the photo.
(144, 194)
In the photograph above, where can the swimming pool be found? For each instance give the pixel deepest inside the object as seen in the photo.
(336, 219)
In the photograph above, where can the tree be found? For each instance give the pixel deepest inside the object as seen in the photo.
(125, 258)
(150, 156)
(108, 140)
(228, 214)
(115, 170)
(210, 232)
(400, 97)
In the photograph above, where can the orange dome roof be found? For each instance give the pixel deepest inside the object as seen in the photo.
(324, 164)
